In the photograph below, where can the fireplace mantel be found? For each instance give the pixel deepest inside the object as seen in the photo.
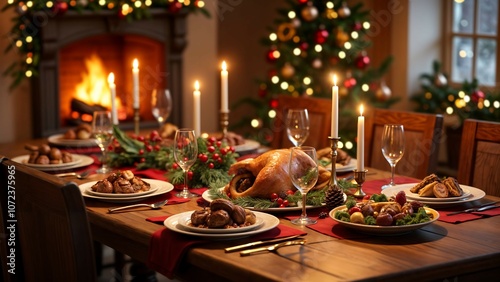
(57, 32)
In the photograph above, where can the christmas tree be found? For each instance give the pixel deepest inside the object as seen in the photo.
(311, 41)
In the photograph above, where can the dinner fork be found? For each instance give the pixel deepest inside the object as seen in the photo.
(82, 175)
(273, 248)
(154, 206)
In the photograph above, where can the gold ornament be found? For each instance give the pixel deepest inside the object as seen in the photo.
(383, 93)
(309, 13)
(286, 31)
(344, 11)
(288, 70)
(341, 37)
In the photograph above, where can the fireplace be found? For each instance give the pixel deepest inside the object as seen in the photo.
(80, 49)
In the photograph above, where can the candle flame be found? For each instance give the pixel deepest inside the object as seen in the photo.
(224, 66)
(111, 78)
(335, 79)
(135, 64)
(361, 109)
(197, 85)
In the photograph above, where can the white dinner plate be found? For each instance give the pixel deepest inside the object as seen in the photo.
(185, 222)
(207, 197)
(415, 196)
(59, 139)
(269, 222)
(161, 187)
(343, 168)
(474, 194)
(249, 145)
(125, 195)
(78, 161)
(383, 230)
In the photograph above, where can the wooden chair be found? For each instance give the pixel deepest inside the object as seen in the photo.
(422, 135)
(480, 156)
(320, 113)
(53, 240)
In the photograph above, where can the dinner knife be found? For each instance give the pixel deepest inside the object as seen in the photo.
(477, 209)
(271, 248)
(258, 243)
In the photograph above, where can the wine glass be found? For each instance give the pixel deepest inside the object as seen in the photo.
(102, 129)
(297, 126)
(393, 147)
(303, 171)
(161, 105)
(185, 154)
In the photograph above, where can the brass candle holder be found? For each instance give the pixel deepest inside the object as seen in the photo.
(224, 123)
(136, 121)
(333, 144)
(360, 177)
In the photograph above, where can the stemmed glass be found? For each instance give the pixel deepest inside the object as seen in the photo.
(185, 154)
(297, 126)
(102, 129)
(303, 171)
(393, 147)
(161, 105)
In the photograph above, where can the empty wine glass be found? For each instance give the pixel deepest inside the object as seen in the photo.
(297, 126)
(185, 154)
(161, 105)
(393, 147)
(102, 129)
(303, 171)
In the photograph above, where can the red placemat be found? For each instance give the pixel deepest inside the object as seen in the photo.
(167, 248)
(463, 217)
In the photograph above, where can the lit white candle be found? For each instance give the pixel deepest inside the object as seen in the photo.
(135, 77)
(335, 108)
(196, 109)
(112, 88)
(224, 88)
(361, 140)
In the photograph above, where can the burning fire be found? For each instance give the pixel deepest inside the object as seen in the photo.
(94, 89)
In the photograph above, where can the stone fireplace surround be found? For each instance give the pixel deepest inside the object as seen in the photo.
(57, 32)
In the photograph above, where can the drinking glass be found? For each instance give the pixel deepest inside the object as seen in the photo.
(185, 154)
(161, 105)
(297, 126)
(102, 129)
(303, 171)
(393, 147)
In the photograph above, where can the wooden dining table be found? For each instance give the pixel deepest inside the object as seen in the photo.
(436, 252)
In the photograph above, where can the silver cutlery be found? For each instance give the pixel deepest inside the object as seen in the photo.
(259, 243)
(82, 175)
(154, 206)
(273, 248)
(477, 209)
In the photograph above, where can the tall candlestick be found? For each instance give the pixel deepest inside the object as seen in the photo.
(335, 108)
(361, 141)
(112, 88)
(224, 88)
(135, 77)
(196, 109)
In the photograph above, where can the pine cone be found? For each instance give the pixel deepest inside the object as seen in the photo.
(334, 197)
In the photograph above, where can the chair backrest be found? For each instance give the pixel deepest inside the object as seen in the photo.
(480, 156)
(320, 113)
(422, 135)
(52, 233)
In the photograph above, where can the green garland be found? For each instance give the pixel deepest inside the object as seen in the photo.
(24, 34)
(209, 170)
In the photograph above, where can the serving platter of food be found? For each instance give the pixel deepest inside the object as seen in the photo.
(121, 184)
(80, 136)
(174, 223)
(157, 187)
(77, 162)
(394, 217)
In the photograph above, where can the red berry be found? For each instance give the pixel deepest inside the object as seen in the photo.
(110, 148)
(190, 175)
(215, 156)
(290, 192)
(366, 197)
(141, 151)
(274, 196)
(175, 166)
(153, 134)
(149, 148)
(279, 201)
(211, 149)
(143, 160)
(140, 138)
(203, 158)
(286, 203)
(223, 151)
(354, 209)
(219, 143)
(212, 140)
(157, 148)
(220, 160)
(211, 165)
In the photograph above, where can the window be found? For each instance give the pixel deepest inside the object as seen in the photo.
(474, 39)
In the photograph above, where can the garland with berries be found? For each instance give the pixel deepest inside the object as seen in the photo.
(31, 12)
(210, 169)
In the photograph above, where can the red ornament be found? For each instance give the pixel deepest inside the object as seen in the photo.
(350, 82)
(271, 56)
(60, 7)
(357, 26)
(175, 7)
(362, 61)
(477, 95)
(303, 1)
(303, 46)
(321, 36)
(273, 103)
